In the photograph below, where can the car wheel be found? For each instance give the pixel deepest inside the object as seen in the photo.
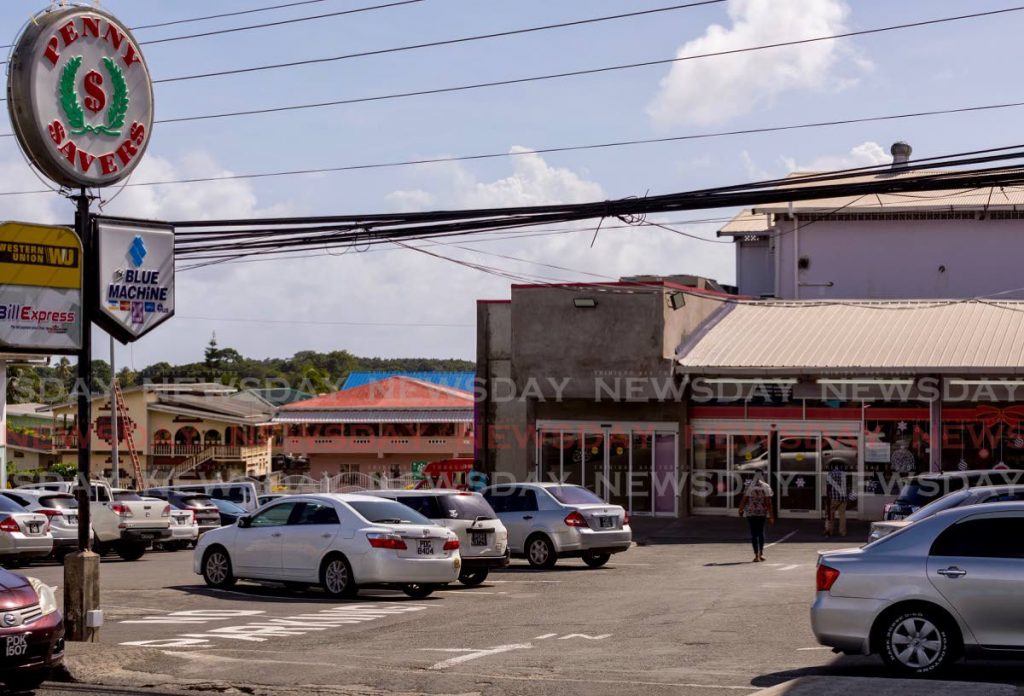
(336, 577)
(596, 560)
(217, 569)
(917, 643)
(131, 552)
(472, 578)
(27, 682)
(418, 590)
(540, 552)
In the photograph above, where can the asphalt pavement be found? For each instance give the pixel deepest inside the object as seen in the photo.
(687, 618)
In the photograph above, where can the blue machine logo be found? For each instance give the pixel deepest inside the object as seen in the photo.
(137, 251)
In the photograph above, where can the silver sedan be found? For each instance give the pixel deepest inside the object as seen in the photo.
(23, 535)
(948, 586)
(968, 496)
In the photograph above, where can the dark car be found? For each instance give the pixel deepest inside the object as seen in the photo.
(201, 505)
(31, 632)
(229, 512)
(921, 490)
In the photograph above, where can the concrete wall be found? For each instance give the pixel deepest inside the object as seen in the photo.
(497, 416)
(903, 259)
(755, 267)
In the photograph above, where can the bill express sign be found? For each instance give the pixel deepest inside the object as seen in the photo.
(80, 97)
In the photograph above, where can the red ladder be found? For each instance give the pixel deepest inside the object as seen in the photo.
(124, 426)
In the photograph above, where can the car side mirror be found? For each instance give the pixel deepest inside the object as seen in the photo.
(244, 522)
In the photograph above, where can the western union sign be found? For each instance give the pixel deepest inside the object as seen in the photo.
(40, 289)
(39, 256)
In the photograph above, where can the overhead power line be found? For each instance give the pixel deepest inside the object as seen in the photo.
(224, 15)
(559, 148)
(445, 42)
(587, 71)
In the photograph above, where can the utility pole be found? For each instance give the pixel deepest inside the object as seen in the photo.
(114, 459)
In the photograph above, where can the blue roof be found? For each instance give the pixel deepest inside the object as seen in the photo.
(455, 380)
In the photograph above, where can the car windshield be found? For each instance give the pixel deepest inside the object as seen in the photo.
(387, 512)
(8, 505)
(920, 492)
(58, 502)
(944, 503)
(574, 495)
(465, 506)
(227, 506)
(127, 496)
(199, 501)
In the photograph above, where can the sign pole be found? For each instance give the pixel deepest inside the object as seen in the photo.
(82, 569)
(115, 462)
(84, 380)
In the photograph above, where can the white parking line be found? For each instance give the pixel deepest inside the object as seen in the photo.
(790, 567)
(785, 538)
(471, 654)
(495, 582)
(820, 647)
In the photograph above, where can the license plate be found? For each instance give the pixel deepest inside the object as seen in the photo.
(606, 522)
(34, 527)
(478, 538)
(16, 646)
(425, 547)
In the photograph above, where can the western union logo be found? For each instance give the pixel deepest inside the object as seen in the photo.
(49, 257)
(38, 255)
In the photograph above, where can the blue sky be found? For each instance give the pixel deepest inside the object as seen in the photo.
(252, 306)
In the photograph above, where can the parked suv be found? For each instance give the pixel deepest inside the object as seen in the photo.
(920, 490)
(31, 632)
(548, 521)
(200, 504)
(483, 539)
(60, 508)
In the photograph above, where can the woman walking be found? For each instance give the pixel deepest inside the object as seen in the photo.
(756, 506)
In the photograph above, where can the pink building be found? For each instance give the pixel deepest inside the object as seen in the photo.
(390, 427)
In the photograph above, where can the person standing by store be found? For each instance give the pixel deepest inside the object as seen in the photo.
(756, 506)
(835, 481)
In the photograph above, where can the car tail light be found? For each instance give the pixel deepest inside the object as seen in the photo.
(122, 510)
(827, 577)
(386, 541)
(166, 512)
(576, 519)
(9, 525)
(451, 545)
(625, 519)
(51, 514)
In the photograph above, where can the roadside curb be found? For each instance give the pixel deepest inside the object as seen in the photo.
(875, 686)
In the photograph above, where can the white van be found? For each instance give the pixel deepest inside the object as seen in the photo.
(241, 493)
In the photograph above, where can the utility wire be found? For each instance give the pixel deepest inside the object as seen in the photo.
(433, 44)
(588, 71)
(223, 15)
(558, 149)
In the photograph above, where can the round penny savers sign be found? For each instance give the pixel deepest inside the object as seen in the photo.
(80, 97)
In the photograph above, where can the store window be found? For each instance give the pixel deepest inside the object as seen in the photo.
(894, 447)
(987, 436)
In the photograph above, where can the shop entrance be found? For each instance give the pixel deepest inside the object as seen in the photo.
(634, 465)
(794, 457)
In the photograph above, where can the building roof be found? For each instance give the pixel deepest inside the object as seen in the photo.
(954, 337)
(398, 393)
(29, 410)
(992, 199)
(747, 222)
(279, 396)
(457, 380)
(216, 406)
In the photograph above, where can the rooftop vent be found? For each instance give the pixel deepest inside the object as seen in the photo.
(901, 152)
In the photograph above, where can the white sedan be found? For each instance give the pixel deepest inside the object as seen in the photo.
(339, 541)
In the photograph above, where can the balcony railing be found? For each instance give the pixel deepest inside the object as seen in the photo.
(376, 445)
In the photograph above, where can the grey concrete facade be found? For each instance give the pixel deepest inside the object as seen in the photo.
(582, 353)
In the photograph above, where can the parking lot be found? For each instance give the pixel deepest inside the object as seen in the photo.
(694, 618)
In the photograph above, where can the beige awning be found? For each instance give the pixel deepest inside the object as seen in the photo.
(856, 337)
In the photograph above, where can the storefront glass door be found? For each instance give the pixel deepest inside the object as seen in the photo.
(632, 465)
(723, 464)
(805, 459)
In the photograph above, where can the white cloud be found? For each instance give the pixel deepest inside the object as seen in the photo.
(409, 201)
(533, 182)
(754, 171)
(712, 90)
(867, 154)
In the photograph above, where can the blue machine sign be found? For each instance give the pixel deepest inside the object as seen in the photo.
(136, 276)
